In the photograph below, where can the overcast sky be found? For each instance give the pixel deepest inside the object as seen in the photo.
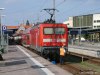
(18, 11)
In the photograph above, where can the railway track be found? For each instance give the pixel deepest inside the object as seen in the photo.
(75, 65)
(88, 58)
(77, 70)
(94, 61)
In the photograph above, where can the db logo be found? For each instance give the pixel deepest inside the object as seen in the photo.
(4, 28)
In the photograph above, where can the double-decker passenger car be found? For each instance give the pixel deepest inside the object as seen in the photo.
(26, 38)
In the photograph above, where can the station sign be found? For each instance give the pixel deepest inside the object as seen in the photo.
(4, 28)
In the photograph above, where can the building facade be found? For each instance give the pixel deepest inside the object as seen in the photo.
(96, 21)
(85, 24)
(91, 21)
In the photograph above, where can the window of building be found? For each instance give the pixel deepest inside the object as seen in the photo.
(98, 26)
(94, 21)
(98, 20)
(94, 26)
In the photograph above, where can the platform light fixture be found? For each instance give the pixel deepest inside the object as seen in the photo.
(2, 8)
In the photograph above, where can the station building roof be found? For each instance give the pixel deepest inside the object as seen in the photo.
(14, 30)
(12, 27)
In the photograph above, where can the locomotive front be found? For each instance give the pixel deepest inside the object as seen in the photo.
(54, 36)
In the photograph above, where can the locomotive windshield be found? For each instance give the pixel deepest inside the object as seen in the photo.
(54, 30)
(59, 30)
(48, 31)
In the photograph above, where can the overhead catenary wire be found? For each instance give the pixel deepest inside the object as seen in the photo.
(43, 4)
(60, 3)
(89, 11)
(62, 14)
(51, 10)
(74, 7)
(66, 11)
(41, 7)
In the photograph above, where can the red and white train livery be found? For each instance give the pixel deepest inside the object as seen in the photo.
(46, 37)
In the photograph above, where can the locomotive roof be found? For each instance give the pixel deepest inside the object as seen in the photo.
(39, 23)
(45, 23)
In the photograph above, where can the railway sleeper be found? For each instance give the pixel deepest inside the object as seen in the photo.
(87, 72)
(80, 71)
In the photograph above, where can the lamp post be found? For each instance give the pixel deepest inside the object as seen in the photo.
(80, 30)
(1, 25)
(80, 24)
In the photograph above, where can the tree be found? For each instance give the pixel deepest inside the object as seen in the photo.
(27, 22)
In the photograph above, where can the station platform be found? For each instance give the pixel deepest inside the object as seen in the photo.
(88, 50)
(20, 61)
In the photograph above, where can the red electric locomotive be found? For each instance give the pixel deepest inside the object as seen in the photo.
(47, 37)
